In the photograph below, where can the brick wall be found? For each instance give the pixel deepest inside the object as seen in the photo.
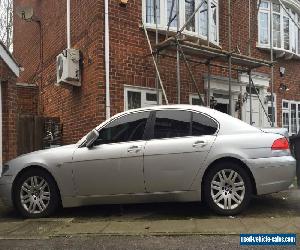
(9, 112)
(81, 109)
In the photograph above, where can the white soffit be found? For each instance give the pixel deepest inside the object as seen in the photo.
(10, 62)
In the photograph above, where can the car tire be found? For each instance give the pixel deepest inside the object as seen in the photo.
(227, 188)
(36, 194)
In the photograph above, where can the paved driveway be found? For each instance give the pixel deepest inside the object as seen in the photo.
(271, 213)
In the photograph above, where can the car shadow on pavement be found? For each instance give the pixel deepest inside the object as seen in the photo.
(283, 204)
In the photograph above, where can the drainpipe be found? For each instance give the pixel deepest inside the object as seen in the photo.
(69, 23)
(107, 94)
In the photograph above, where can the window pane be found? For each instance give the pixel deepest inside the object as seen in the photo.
(299, 35)
(189, 10)
(276, 31)
(203, 20)
(151, 97)
(276, 7)
(286, 122)
(128, 128)
(264, 5)
(214, 28)
(171, 123)
(285, 105)
(286, 32)
(134, 100)
(293, 119)
(169, 7)
(150, 11)
(196, 101)
(203, 125)
(264, 28)
(293, 33)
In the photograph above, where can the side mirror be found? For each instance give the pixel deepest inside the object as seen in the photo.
(91, 138)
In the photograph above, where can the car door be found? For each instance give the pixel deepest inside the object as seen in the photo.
(114, 165)
(180, 143)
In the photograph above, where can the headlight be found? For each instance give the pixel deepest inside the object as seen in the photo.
(5, 169)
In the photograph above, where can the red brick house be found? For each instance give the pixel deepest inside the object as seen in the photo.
(131, 78)
(9, 71)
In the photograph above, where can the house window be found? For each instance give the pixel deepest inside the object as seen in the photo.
(264, 23)
(140, 97)
(196, 27)
(150, 11)
(291, 116)
(286, 35)
(276, 25)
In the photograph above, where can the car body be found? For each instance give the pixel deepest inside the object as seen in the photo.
(155, 154)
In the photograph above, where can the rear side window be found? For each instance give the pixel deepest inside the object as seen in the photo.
(172, 123)
(128, 128)
(203, 125)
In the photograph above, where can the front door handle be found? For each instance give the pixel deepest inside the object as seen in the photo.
(134, 149)
(199, 144)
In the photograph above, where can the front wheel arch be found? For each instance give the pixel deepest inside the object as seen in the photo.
(28, 169)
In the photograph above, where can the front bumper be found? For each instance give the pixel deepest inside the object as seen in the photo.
(6, 190)
(272, 174)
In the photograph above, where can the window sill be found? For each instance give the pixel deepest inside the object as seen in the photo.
(280, 53)
(189, 34)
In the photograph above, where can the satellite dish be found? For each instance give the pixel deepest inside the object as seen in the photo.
(25, 13)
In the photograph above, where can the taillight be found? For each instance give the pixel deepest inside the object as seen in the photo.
(281, 144)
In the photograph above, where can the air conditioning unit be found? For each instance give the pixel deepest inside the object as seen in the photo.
(68, 67)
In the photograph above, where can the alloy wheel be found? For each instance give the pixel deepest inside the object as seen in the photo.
(35, 195)
(227, 189)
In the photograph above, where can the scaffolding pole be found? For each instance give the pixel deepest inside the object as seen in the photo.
(190, 72)
(229, 59)
(155, 64)
(157, 55)
(261, 103)
(250, 97)
(272, 67)
(178, 56)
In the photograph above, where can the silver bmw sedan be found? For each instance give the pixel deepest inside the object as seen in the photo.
(174, 153)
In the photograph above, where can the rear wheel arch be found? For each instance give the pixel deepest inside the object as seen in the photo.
(29, 168)
(229, 159)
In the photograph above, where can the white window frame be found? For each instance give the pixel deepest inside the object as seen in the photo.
(143, 91)
(293, 30)
(164, 18)
(288, 110)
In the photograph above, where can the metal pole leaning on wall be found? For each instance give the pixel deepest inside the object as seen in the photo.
(272, 67)
(156, 56)
(190, 71)
(178, 56)
(229, 59)
(250, 97)
(208, 83)
(155, 64)
(261, 103)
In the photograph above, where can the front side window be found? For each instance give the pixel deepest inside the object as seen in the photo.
(172, 123)
(128, 128)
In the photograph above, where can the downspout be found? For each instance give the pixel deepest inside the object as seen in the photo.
(107, 86)
(69, 23)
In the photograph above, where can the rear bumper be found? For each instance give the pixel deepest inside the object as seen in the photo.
(272, 174)
(6, 190)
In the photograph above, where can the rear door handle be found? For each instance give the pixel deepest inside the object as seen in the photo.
(134, 149)
(199, 144)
